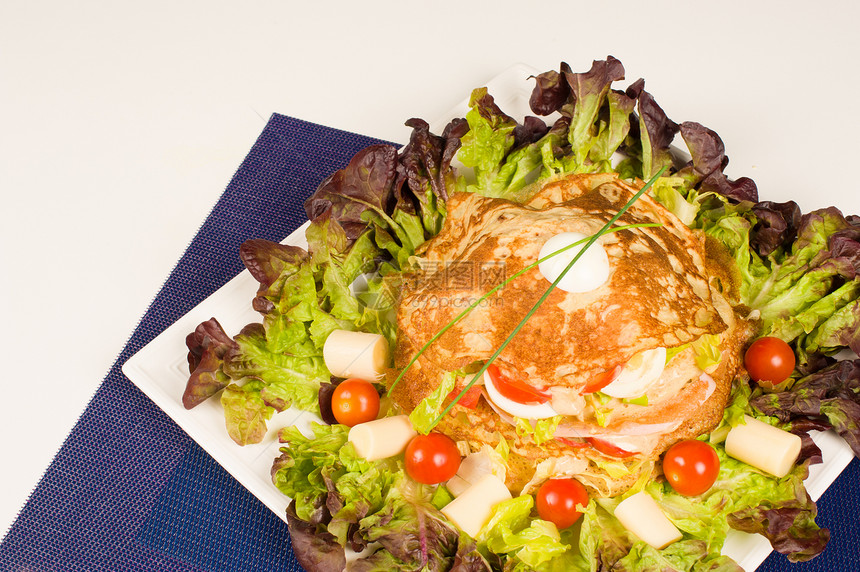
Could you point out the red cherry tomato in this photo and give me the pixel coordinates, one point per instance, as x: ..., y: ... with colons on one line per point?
x: 598, y: 382
x: 514, y: 389
x: 691, y: 467
x: 557, y: 500
x: 432, y: 459
x: 769, y: 359
x: 355, y: 401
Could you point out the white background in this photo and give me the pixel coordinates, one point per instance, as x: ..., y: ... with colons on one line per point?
x: 121, y: 123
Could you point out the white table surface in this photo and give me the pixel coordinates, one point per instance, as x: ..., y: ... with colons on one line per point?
x: 121, y: 124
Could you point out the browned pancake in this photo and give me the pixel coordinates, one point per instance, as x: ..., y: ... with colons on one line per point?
x: 661, y: 291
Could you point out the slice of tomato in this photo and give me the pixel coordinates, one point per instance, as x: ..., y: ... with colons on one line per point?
x: 600, y: 381
x: 573, y: 443
x: 514, y: 389
x: 470, y: 399
x: 608, y: 448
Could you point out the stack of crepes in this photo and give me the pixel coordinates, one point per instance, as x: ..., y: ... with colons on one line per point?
x: 668, y: 287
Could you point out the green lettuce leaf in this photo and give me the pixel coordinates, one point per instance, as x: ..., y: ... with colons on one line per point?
x: 589, y: 91
x: 529, y: 543
x: 208, y: 348
x: 656, y: 132
x: 313, y: 546
x: 707, y: 351
x: 689, y: 555
x: 540, y: 430
x: 504, y: 156
x: 671, y: 193
x: 285, y: 380
x: 366, y: 184
x: 603, y: 540
x: 804, y: 289
x: 612, y: 130
x: 424, y: 415
x: 345, y: 500
x: 245, y: 412
x: 411, y: 532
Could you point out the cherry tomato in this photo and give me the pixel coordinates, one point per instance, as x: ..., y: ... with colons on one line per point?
x: 769, y: 359
x: 598, y: 382
x: 432, y: 458
x: 691, y: 467
x: 557, y: 500
x: 355, y: 401
x: 514, y: 389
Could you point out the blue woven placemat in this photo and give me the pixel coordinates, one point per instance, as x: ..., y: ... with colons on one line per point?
x: 129, y: 491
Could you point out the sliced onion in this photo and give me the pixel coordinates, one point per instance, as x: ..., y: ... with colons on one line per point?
x: 712, y: 386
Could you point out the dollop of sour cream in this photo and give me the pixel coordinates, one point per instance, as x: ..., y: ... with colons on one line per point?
x: 590, y: 271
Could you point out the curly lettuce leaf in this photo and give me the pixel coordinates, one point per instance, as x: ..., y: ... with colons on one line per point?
x: 603, y: 540
x: 365, y: 184
x: 208, y: 347
x: 831, y: 317
x: 256, y: 379
x: 551, y: 90
x: 328, y: 480
x: 504, y: 156
x: 708, y: 160
x: 411, y: 533
x: 285, y: 379
x: 689, y: 555
x: 528, y: 543
x: 425, y: 166
x: 798, y: 273
x: 790, y: 528
x: 313, y: 546
x: 588, y: 92
x: 423, y: 417
x: 349, y: 501
x: 245, y: 412
x: 271, y: 264
x: 613, y: 127
x: 335, y: 266
x: 657, y: 132
x: 670, y: 192
x: 776, y: 227
x: 838, y: 330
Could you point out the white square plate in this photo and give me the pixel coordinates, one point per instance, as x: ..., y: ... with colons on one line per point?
x: 160, y: 370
